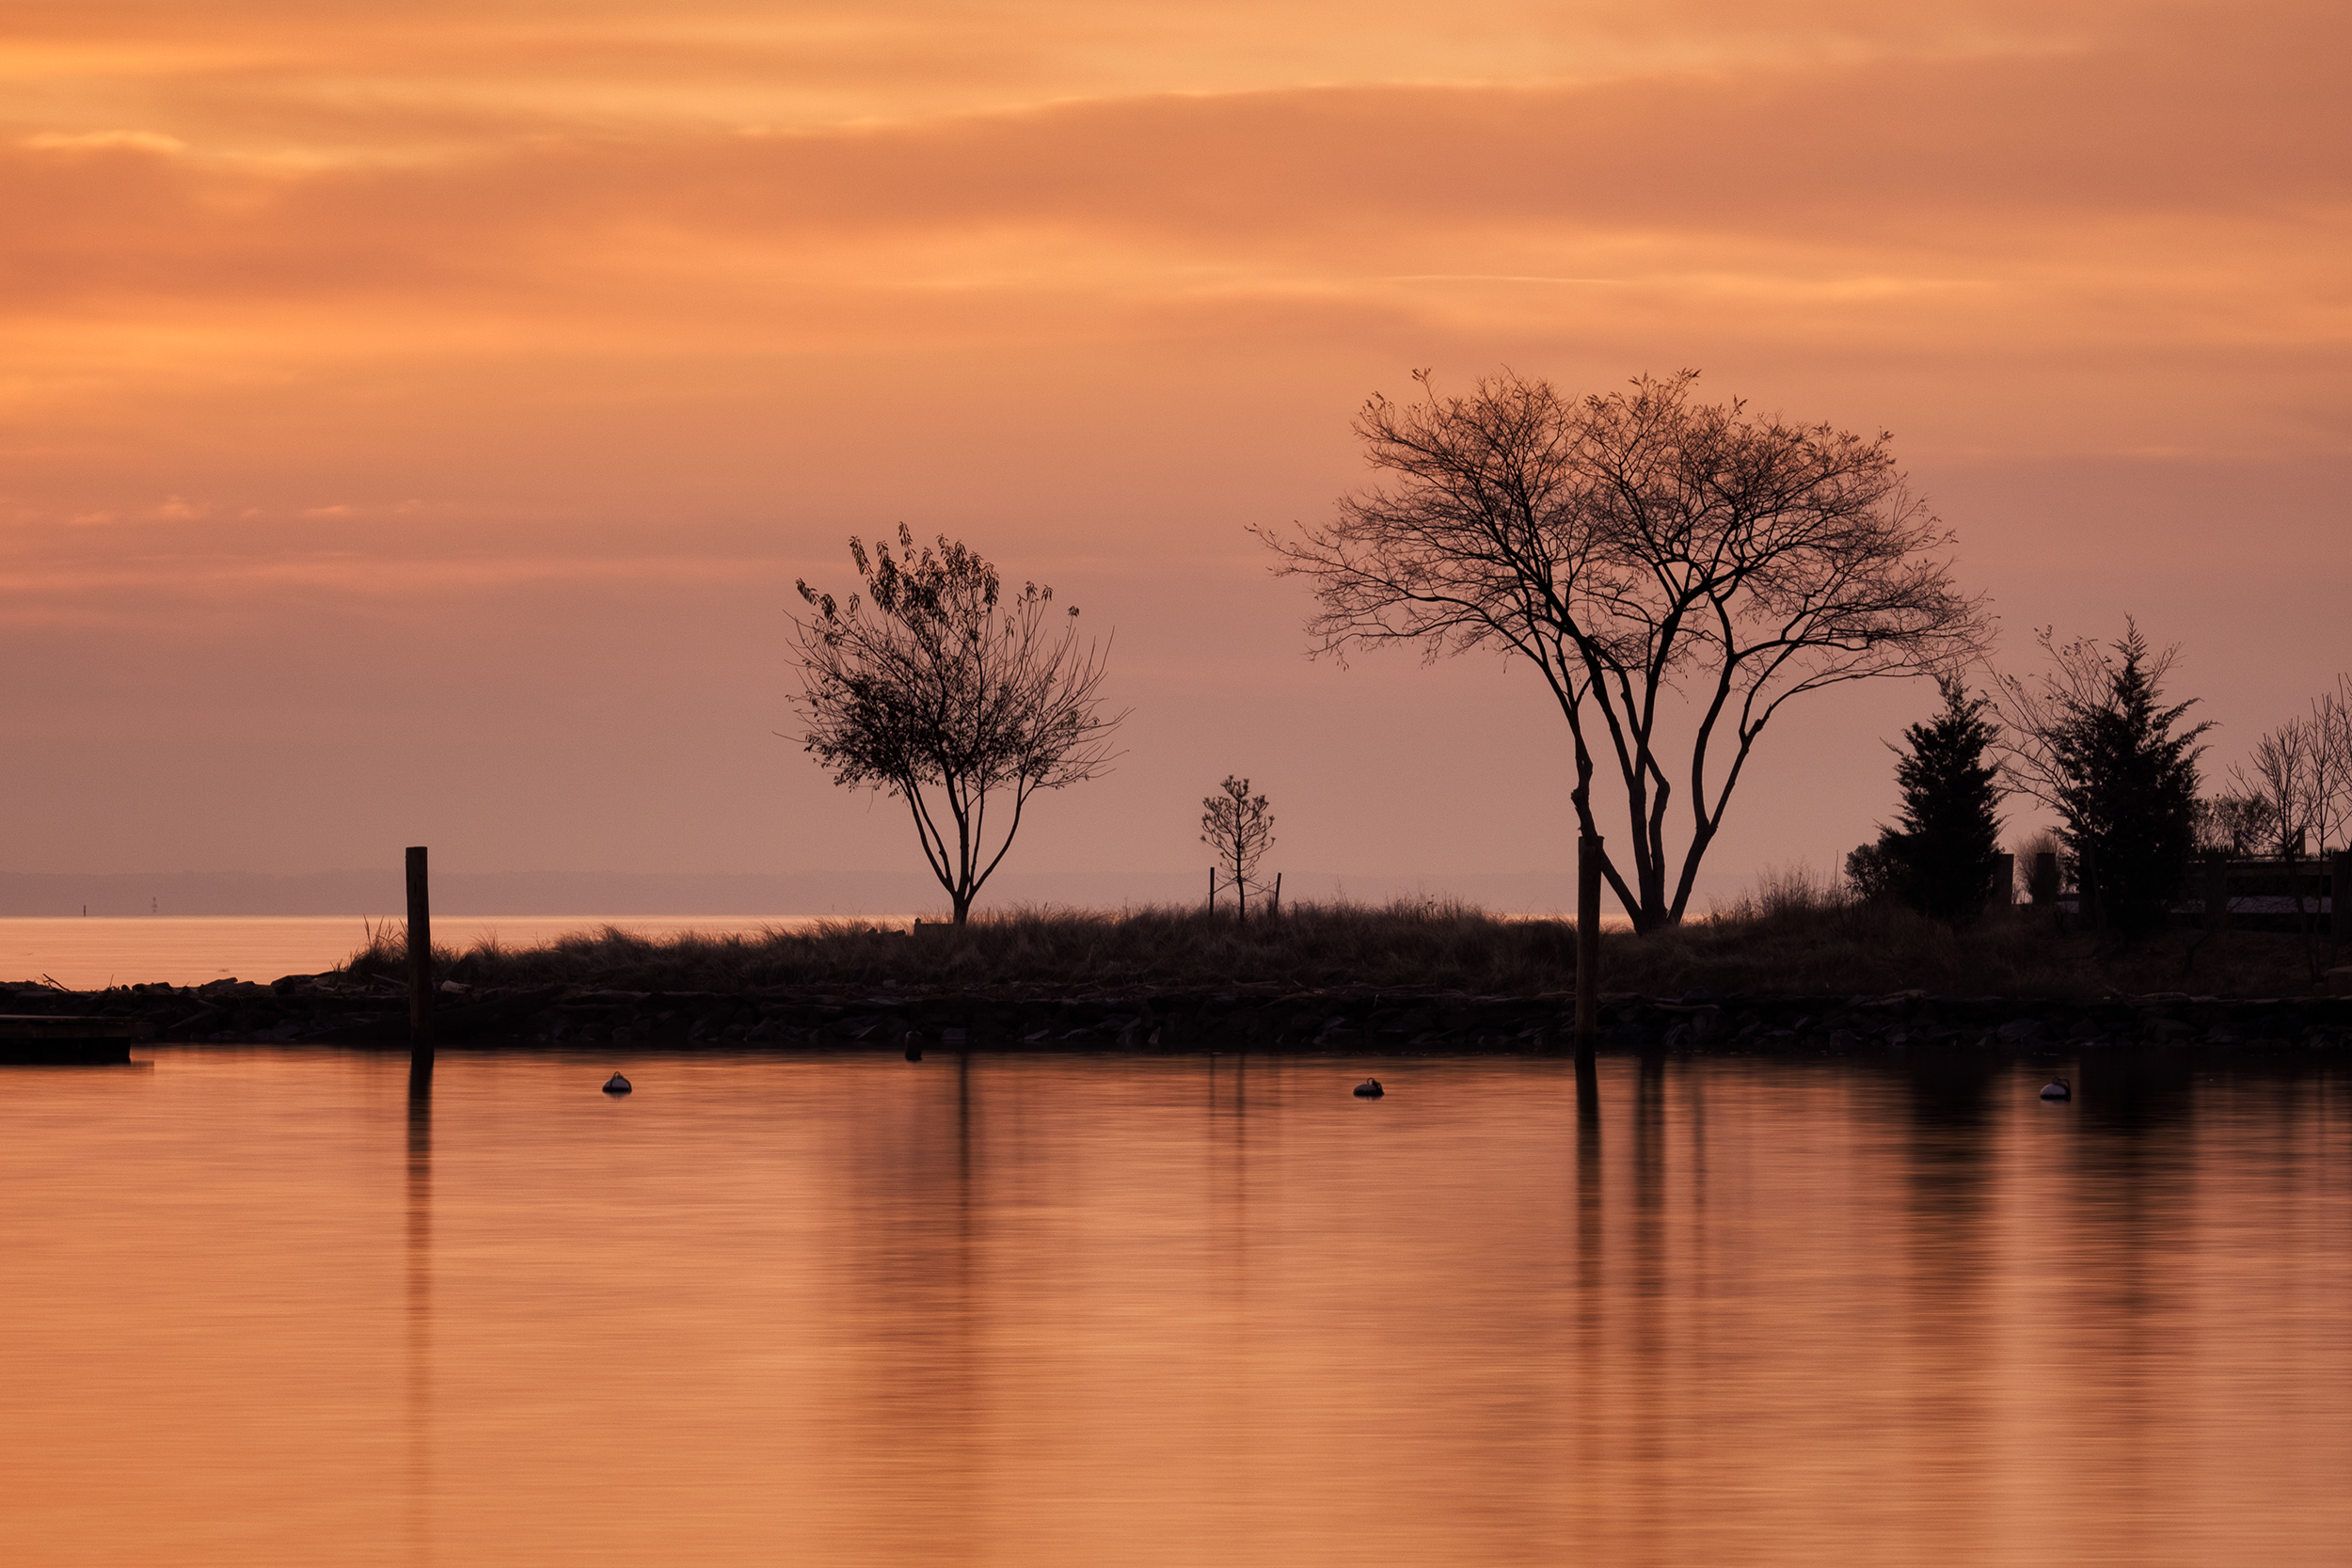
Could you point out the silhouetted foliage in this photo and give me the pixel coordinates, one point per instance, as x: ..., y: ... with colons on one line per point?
x: 2092, y: 740
x: 1656, y: 559
x: 1870, y: 872
x: 937, y: 689
x: 2294, y: 792
x: 2234, y: 825
x: 1238, y: 827
x: 2294, y: 799
x: 1944, y: 860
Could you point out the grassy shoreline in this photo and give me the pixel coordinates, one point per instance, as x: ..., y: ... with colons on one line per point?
x: 1783, y: 942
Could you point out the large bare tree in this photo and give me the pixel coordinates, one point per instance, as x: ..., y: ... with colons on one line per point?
x: 1676, y: 570
x: 941, y: 691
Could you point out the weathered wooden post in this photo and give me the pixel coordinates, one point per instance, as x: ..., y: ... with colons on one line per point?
x: 1587, y: 947
x: 2338, y: 883
x: 2216, y: 899
x: 1212, y: 890
x: 2008, y: 894
x: 419, y: 966
x: 1277, y: 906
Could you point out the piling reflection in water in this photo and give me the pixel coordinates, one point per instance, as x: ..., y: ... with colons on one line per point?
x: 417, y: 1318
x: 1072, y: 1311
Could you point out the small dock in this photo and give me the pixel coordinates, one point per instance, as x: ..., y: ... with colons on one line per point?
x: 36, y: 1040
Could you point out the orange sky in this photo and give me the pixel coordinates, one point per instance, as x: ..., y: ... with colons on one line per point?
x: 411, y: 423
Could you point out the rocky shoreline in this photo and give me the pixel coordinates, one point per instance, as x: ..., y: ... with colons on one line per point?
x: 1335, y: 1020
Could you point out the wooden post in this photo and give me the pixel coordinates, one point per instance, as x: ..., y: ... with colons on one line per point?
x: 1587, y: 945
x: 2007, y: 895
x: 419, y: 966
x: 2338, y: 883
x: 2216, y: 898
x: 1277, y: 907
x: 1212, y: 890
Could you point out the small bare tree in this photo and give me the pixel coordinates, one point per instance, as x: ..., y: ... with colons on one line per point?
x: 938, y: 689
x: 2297, y: 784
x: 1238, y: 827
x: 2234, y: 825
x: 1659, y: 561
x: 2301, y: 774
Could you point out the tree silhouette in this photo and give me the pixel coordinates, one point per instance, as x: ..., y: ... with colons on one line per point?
x: 1660, y: 561
x: 937, y: 689
x: 1238, y: 827
x: 2091, y: 740
x: 1944, y: 860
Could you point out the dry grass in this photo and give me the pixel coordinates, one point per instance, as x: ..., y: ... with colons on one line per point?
x: 1790, y: 934
x: 1427, y: 942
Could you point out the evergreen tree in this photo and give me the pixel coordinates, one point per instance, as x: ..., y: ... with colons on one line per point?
x: 1946, y: 859
x: 1870, y: 870
x: 2127, y: 790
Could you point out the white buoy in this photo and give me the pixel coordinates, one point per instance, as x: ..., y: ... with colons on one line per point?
x: 616, y: 1084
x: 2058, y: 1089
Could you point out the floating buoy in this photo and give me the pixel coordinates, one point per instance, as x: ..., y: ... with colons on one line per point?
x: 2058, y: 1089
x: 616, y: 1084
x: 1370, y: 1089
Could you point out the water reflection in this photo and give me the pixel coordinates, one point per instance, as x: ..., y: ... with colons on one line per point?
x: 1065, y: 1311
x: 418, y: 1318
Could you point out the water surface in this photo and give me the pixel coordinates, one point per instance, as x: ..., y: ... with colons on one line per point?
x: 264, y: 1308
x: 88, y: 954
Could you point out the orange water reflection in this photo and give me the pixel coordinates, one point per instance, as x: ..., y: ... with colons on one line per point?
x: 275, y: 1308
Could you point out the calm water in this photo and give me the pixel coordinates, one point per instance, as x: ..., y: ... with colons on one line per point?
x: 189, y: 950
x: 263, y: 1308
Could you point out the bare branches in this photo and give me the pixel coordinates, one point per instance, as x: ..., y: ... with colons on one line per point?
x: 1238, y: 828
x: 2296, y: 786
x: 937, y: 684
x: 1642, y: 551
x: 2035, y: 715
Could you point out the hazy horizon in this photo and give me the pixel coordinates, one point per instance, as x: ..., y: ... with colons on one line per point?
x: 719, y: 894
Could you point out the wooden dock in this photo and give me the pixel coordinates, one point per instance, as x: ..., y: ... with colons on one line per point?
x: 36, y: 1040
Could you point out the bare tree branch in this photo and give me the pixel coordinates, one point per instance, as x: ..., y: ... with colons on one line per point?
x: 1640, y: 550
x: 939, y: 689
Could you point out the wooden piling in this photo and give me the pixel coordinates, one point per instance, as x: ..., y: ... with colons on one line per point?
x: 1587, y: 945
x: 2339, y: 880
x: 420, y: 965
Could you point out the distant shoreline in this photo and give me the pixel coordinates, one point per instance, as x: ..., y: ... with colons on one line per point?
x: 1414, y: 978
x: 1340, y: 1021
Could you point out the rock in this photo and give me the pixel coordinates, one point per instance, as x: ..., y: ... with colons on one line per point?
x: 2020, y: 1031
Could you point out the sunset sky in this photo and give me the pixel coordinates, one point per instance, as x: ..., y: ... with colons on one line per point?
x: 413, y: 418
